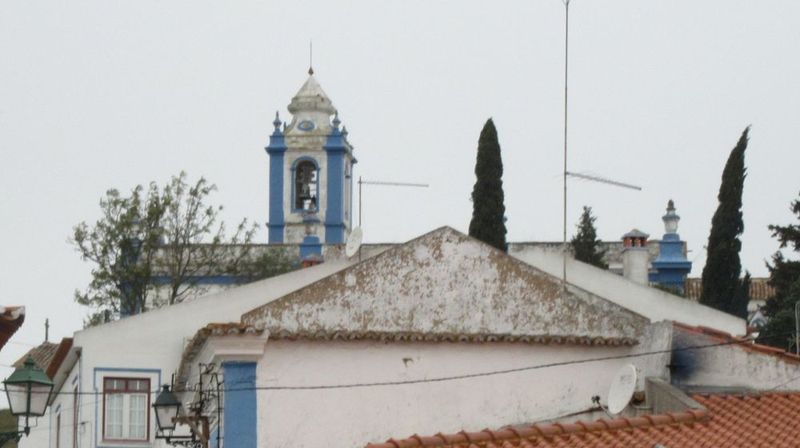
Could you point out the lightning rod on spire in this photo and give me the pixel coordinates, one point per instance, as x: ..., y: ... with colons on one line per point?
x: 310, y: 57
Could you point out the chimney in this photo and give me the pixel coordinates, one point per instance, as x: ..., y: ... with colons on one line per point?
x: 635, y: 257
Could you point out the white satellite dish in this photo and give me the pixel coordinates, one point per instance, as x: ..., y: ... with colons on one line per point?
x: 622, y: 388
x: 353, y: 242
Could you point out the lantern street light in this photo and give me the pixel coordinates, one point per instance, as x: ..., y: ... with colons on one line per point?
x: 169, y: 412
x: 28, y: 390
x: 167, y: 408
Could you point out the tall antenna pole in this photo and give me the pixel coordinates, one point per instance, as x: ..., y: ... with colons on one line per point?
x: 310, y: 57
x: 383, y: 183
x: 566, y: 66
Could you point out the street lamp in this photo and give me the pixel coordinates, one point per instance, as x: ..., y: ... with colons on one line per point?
x: 169, y: 416
x: 28, y: 390
x: 167, y: 408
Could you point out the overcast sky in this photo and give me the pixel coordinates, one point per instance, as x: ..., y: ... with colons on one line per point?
x: 97, y: 94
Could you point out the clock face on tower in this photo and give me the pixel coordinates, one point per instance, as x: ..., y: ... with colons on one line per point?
x: 306, y: 125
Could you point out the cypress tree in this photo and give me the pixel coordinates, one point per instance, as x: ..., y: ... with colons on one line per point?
x: 720, y: 282
x: 784, y: 276
x: 488, y: 211
x: 585, y: 245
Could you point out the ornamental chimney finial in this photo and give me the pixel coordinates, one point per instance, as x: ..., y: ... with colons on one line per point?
x: 277, y: 121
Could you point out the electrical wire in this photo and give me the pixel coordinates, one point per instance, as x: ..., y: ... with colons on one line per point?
x: 461, y: 376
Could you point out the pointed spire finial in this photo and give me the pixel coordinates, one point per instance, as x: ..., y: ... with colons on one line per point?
x: 344, y: 131
x: 336, y: 120
x: 277, y: 121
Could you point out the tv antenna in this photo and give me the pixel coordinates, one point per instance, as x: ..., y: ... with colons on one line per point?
x: 566, y: 173
x: 362, y: 182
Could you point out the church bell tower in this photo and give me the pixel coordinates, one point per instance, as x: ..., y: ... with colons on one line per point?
x: 310, y: 174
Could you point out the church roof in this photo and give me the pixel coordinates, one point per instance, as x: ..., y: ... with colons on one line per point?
x: 311, y: 97
x: 446, y: 286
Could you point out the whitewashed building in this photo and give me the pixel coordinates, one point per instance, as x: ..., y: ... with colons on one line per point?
x: 438, y: 334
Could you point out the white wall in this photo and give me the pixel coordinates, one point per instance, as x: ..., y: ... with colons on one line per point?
x: 732, y: 365
x: 152, y: 343
x: 350, y: 418
x: 652, y: 303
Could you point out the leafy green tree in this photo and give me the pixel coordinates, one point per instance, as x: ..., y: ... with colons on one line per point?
x: 585, y: 244
x: 488, y: 210
x: 784, y: 276
x: 720, y: 282
x: 153, y: 248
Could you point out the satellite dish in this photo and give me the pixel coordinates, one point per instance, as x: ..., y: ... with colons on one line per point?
x: 622, y: 388
x: 353, y: 242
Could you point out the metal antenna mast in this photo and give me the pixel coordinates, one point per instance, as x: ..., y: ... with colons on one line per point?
x: 384, y: 183
x: 566, y: 72
x: 566, y: 174
x: 310, y: 57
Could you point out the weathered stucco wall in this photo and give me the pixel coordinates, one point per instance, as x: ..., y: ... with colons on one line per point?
x: 652, y: 303
x: 352, y: 417
x: 447, y: 283
x: 724, y: 363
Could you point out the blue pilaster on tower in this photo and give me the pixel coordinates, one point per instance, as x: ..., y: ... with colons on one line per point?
x: 671, y: 266
x: 276, y: 149
x: 335, y: 147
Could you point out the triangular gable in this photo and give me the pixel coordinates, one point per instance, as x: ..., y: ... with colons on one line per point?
x: 446, y: 283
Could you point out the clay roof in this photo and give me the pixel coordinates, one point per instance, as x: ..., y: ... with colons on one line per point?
x: 399, y: 336
x: 759, y: 288
x: 635, y: 233
x: 446, y: 286
x: 195, y: 345
x: 728, y: 421
x: 11, y: 318
x: 48, y: 355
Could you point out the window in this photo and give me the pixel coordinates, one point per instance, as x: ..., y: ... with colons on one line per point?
x: 126, y: 405
x: 305, y: 186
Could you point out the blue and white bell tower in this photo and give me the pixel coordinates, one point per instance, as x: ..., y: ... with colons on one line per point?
x: 310, y: 174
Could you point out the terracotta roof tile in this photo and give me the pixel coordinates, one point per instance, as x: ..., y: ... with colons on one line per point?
x: 48, y: 355
x: 399, y: 336
x: 196, y: 344
x: 766, y: 420
x: 43, y: 354
x: 11, y: 318
x: 760, y: 288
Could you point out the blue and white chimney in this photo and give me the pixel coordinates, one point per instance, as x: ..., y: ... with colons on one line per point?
x: 671, y: 266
